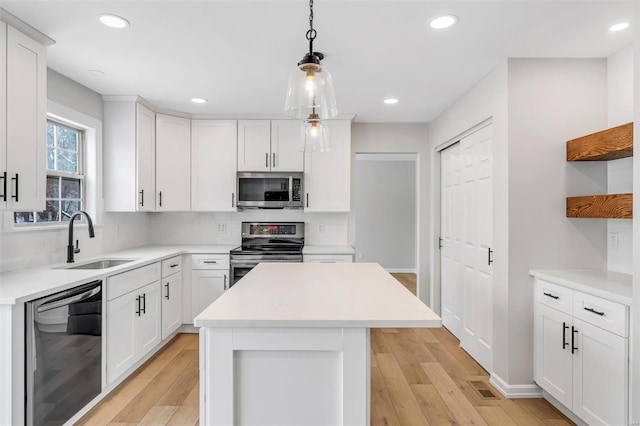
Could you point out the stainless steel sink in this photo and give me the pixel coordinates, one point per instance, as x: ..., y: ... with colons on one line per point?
x: 99, y: 264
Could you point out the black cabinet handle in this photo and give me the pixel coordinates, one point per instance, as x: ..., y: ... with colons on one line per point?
x: 307, y: 200
x: 4, y: 186
x: 138, y: 309
x: 225, y: 281
x: 160, y: 198
x: 142, y: 197
x: 233, y: 199
x: 266, y: 160
x: 573, y: 334
x: 209, y: 261
x: 17, y: 186
x: 273, y: 164
x: 440, y: 243
x: 173, y: 266
x: 489, y: 253
x: 144, y: 303
x: 551, y: 296
x: 564, y: 335
x: 167, y: 295
x: 593, y: 311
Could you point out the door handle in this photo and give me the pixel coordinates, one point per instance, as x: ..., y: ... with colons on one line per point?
x: 225, y: 281
x: 142, y: 198
x: 167, y: 295
x: 233, y: 199
x: 160, y: 200
x: 440, y: 243
x: 144, y: 303
x: 17, y: 186
x: 266, y: 160
x: 564, y: 335
x: 307, y: 200
x: 273, y: 163
x: 489, y: 253
x: 4, y: 186
x: 573, y: 333
x: 138, y: 309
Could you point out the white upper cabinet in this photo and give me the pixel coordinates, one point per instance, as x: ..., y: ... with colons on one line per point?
x: 213, y: 165
x: 265, y: 145
x: 129, y: 155
x: 23, y: 118
x: 328, y: 174
x: 285, y: 140
x: 173, y: 163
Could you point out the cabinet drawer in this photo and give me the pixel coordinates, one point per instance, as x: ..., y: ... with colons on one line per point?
x: 328, y: 258
x: 123, y: 283
x: 210, y: 261
x: 555, y: 296
x: 602, y: 313
x: 171, y: 266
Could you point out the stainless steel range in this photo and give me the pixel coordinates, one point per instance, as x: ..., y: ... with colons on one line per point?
x: 266, y: 242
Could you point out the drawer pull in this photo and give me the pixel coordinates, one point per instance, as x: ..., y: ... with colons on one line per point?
x: 174, y: 265
x: 593, y: 311
x: 551, y: 296
x: 209, y: 261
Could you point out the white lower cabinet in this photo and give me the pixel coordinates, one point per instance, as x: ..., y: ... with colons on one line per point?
x: 133, y: 328
x: 171, y: 296
x: 581, y: 353
x: 209, y: 279
x: 133, y: 317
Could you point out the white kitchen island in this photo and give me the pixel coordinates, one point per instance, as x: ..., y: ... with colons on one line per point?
x: 289, y: 343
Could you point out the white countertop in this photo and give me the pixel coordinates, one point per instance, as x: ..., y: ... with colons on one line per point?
x: 328, y: 250
x: 27, y: 284
x: 614, y: 286
x: 318, y: 295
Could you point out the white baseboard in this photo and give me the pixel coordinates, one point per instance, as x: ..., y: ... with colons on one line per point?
x: 515, y: 391
x: 188, y: 328
x: 564, y: 410
x: 400, y: 270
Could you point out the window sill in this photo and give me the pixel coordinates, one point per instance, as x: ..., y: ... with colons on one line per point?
x: 45, y: 228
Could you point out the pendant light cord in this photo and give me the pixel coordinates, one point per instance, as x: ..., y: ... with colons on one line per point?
x: 311, y: 33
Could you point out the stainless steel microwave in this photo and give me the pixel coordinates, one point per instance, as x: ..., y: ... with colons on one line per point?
x: 270, y: 190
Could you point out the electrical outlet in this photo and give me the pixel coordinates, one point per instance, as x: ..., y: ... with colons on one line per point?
x: 320, y: 227
x: 360, y: 255
x: 614, y: 241
x: 222, y: 228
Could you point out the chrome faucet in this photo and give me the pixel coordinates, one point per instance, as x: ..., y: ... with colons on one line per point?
x: 71, y: 250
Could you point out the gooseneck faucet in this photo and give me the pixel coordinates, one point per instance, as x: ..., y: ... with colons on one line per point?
x: 71, y: 250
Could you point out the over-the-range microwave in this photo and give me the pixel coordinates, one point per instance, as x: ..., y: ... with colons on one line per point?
x: 270, y: 190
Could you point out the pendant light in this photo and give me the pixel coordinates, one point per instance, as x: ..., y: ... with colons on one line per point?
x: 310, y: 96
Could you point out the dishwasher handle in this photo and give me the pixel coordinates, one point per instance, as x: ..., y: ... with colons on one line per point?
x: 71, y: 296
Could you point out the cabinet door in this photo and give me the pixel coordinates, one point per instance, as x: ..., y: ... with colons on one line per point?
x: 328, y: 174
x: 26, y: 112
x: 552, y: 354
x: 121, y: 343
x: 213, y: 165
x: 254, y: 146
x: 285, y: 140
x: 171, y: 304
x: 207, y: 286
x: 148, y: 324
x: 145, y: 159
x: 600, y: 372
x: 3, y: 116
x: 173, y: 163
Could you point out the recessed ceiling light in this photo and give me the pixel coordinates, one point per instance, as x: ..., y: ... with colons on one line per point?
x: 444, y: 21
x: 113, y: 21
x: 96, y: 73
x: 199, y: 100
x: 619, y: 26
x: 390, y: 101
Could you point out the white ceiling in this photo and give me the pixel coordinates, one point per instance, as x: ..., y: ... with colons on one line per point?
x: 238, y: 54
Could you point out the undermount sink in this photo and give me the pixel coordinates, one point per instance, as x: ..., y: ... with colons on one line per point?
x: 99, y: 264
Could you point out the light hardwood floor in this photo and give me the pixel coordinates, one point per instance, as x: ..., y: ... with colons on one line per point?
x: 418, y: 377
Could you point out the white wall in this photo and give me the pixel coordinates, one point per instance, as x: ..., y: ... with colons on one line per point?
x: 634, y: 357
x: 620, y: 172
x: 386, y: 210
x: 536, y: 105
x: 399, y: 138
x: 202, y: 228
x: 22, y: 248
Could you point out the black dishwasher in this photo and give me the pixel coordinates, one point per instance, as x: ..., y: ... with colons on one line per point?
x: 63, y: 343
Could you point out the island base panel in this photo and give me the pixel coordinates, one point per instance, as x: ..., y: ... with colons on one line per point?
x: 285, y: 376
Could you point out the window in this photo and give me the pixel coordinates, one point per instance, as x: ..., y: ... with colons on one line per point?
x: 65, y: 176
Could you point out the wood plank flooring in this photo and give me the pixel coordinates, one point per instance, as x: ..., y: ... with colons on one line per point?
x: 418, y: 377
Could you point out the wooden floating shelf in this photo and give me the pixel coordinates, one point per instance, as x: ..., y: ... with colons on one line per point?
x: 610, y: 144
x: 611, y: 206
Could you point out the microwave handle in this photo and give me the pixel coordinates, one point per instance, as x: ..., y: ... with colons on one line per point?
x: 290, y: 189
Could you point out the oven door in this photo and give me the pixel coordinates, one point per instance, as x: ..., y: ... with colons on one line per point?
x: 240, y: 267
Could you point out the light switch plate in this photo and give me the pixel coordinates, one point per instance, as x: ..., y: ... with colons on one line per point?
x: 614, y: 241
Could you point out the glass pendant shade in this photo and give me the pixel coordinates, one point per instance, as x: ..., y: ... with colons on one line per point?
x: 315, y: 136
x: 310, y: 91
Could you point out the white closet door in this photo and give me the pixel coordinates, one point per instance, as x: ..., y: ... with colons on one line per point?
x: 467, y: 240
x: 451, y: 265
